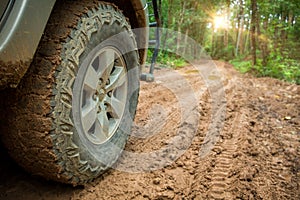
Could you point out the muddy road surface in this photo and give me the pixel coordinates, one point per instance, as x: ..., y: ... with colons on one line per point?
x: 199, y: 134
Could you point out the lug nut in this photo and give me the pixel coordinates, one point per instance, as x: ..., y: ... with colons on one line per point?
x: 95, y: 97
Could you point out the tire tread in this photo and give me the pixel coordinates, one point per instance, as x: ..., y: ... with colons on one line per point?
x: 41, y: 138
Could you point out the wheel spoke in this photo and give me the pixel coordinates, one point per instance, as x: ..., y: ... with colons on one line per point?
x: 104, y: 122
x: 89, y: 115
x: 99, y: 133
x: 115, y: 107
x: 117, y: 78
x: 106, y: 64
x: 91, y: 79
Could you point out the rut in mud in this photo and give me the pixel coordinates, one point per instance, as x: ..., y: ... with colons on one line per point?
x: 243, y: 146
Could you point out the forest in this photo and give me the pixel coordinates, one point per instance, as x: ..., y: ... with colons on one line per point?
x: 256, y: 36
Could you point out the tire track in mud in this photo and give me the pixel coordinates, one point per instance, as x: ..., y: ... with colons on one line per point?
x: 226, y: 140
x: 247, y: 163
x: 220, y: 176
x: 251, y: 157
x: 227, y: 147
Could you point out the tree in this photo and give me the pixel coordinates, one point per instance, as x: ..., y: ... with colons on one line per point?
x: 254, y: 23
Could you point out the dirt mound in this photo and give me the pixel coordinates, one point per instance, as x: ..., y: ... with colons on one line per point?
x: 246, y: 147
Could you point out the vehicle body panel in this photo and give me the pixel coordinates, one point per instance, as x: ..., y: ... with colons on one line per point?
x: 24, y: 26
x: 20, y: 36
x: 5, y: 6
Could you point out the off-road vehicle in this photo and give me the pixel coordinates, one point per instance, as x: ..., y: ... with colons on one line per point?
x: 71, y: 72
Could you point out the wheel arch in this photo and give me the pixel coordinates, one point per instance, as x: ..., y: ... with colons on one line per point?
x: 137, y: 13
x: 17, y: 46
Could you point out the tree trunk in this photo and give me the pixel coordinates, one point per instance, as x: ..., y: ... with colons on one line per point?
x: 185, y: 47
x: 264, y: 42
x: 247, y: 41
x: 180, y: 22
x: 239, y: 40
x: 253, y: 31
x: 170, y: 14
x: 213, y: 40
x: 258, y: 31
x: 284, y: 19
x: 241, y: 21
x: 226, y: 27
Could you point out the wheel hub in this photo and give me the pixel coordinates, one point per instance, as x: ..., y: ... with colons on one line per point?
x: 103, y: 95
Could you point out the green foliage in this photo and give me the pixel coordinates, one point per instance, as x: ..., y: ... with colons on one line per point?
x: 243, y: 66
x: 278, y: 67
x: 282, y: 68
x: 276, y: 34
x: 167, y: 60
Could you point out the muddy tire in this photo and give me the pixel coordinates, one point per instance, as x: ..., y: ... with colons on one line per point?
x: 74, y: 108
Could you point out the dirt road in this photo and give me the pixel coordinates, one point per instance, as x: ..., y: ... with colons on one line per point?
x: 240, y: 140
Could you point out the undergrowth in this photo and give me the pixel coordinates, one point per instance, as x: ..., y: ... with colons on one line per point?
x: 167, y: 60
x: 281, y: 68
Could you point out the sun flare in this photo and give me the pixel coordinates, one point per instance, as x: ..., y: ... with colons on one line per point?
x: 220, y: 22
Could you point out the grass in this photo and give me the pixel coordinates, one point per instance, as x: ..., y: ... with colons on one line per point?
x: 168, y: 60
x: 280, y: 68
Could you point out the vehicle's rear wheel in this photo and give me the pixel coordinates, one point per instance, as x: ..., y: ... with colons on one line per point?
x: 74, y: 108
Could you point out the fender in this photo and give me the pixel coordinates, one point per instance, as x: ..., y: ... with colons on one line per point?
x: 22, y: 25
